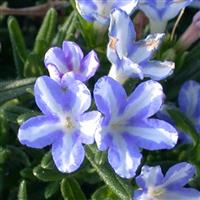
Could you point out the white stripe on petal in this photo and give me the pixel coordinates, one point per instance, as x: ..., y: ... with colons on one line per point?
x: 124, y: 157
x: 40, y: 131
x: 179, y: 174
x: 145, y: 100
x: 157, y: 70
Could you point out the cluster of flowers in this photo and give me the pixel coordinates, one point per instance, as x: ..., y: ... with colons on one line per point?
x: 123, y: 124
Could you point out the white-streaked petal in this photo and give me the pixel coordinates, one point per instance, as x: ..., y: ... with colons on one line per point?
x: 51, y: 98
x: 149, y: 177
x: 68, y: 152
x: 56, y: 57
x: 181, y: 194
x: 89, y: 124
x: 110, y: 96
x: 122, y: 30
x: 152, y: 134
x: 124, y: 157
x: 40, y: 131
x: 158, y: 70
x: 179, y: 175
x: 144, y: 101
x: 144, y: 49
x: 174, y: 8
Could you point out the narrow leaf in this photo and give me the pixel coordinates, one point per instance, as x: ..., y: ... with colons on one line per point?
x: 47, y: 174
x: 18, y: 45
x: 104, y: 193
x: 71, y: 190
x: 22, y: 192
x: 46, y: 33
x: 118, y: 185
x: 15, y: 88
x: 51, y: 189
x: 66, y: 31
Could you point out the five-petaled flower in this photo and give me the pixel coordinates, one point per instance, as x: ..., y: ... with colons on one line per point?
x: 154, y: 186
x: 70, y: 61
x: 130, y: 58
x: 127, y: 126
x: 99, y: 10
x: 160, y: 11
x: 64, y: 124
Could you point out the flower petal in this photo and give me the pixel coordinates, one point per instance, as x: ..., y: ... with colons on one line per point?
x: 189, y: 100
x: 121, y: 32
x: 73, y: 55
x: 89, y: 123
x: 158, y: 70
x: 179, y: 175
x: 149, y: 177
x: 96, y: 10
x: 144, y: 101
x: 124, y: 157
x: 174, y: 7
x: 152, y: 134
x: 144, y: 49
x: 56, y: 57
x: 110, y: 96
x: 82, y: 100
x: 181, y: 194
x: 40, y: 131
x: 68, y: 153
x: 89, y: 65
x: 51, y: 98
x: 130, y: 68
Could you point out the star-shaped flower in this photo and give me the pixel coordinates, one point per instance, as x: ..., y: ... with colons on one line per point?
x: 70, y: 60
x: 99, y: 10
x: 64, y: 125
x: 154, y: 186
x: 127, y: 126
x: 130, y: 58
x: 160, y: 11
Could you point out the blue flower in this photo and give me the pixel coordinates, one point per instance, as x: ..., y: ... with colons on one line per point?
x: 130, y: 58
x: 99, y: 10
x: 64, y: 125
x: 160, y: 11
x: 154, y: 186
x: 69, y: 61
x: 126, y: 124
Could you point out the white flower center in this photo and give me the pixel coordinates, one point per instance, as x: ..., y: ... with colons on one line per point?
x: 68, y: 123
x: 156, y: 192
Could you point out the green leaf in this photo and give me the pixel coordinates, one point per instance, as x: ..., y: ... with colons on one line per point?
x: 104, y: 193
x: 184, y: 124
x: 27, y: 173
x: 33, y: 66
x: 46, y: 33
x: 47, y: 174
x: 47, y: 161
x: 51, y: 189
x: 118, y: 185
x: 10, y: 110
x: 66, y: 31
x: 19, y: 155
x: 14, y: 88
x: 4, y: 154
x: 22, y: 192
x: 71, y: 190
x: 18, y: 45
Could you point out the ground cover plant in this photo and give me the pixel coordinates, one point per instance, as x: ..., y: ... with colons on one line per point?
x: 100, y: 100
